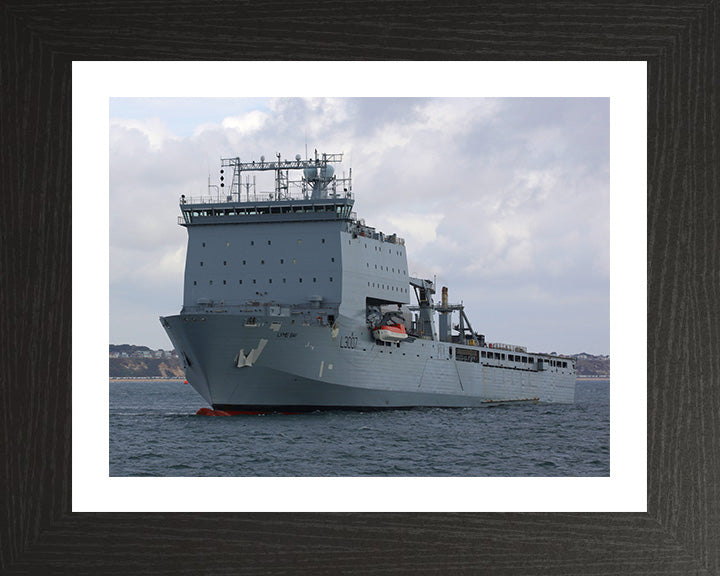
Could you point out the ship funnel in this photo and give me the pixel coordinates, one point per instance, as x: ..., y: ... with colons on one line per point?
x: 445, y: 319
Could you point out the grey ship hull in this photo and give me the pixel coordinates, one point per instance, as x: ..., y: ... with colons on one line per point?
x: 284, y: 364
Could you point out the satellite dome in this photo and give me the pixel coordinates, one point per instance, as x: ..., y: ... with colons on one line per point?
x: 297, y: 156
x: 327, y: 171
x: 262, y: 158
x: 310, y: 173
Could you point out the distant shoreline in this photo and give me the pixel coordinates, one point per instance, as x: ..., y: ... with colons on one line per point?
x: 146, y: 379
x: 179, y: 379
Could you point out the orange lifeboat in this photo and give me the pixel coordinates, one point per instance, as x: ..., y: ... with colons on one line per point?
x: 390, y: 333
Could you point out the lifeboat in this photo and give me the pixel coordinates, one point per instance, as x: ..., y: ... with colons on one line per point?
x: 390, y: 333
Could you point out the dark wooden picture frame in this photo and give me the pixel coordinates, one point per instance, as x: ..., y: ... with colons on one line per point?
x: 680, y: 533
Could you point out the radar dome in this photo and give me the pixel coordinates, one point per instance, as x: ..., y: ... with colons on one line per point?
x: 310, y: 173
x: 262, y: 158
x: 297, y: 156
x: 327, y: 171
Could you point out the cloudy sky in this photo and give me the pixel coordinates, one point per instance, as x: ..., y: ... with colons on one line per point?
x: 506, y: 201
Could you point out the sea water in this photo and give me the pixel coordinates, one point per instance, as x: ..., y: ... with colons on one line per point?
x: 154, y: 432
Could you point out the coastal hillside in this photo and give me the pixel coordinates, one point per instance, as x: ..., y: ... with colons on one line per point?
x: 129, y: 361
x: 145, y: 368
x: 590, y: 366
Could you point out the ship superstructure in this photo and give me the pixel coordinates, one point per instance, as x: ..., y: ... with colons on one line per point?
x: 293, y: 303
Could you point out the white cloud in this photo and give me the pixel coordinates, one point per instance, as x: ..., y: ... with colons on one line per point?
x: 153, y: 129
x: 247, y: 123
x: 417, y: 229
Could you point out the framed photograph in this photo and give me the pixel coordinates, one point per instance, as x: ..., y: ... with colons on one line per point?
x: 48, y: 526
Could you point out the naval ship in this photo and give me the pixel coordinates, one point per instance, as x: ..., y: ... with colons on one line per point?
x: 291, y: 303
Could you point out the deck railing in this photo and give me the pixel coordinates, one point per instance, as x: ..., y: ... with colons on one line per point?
x: 255, y: 197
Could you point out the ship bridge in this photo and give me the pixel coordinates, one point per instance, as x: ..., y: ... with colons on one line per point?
x: 212, y: 210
